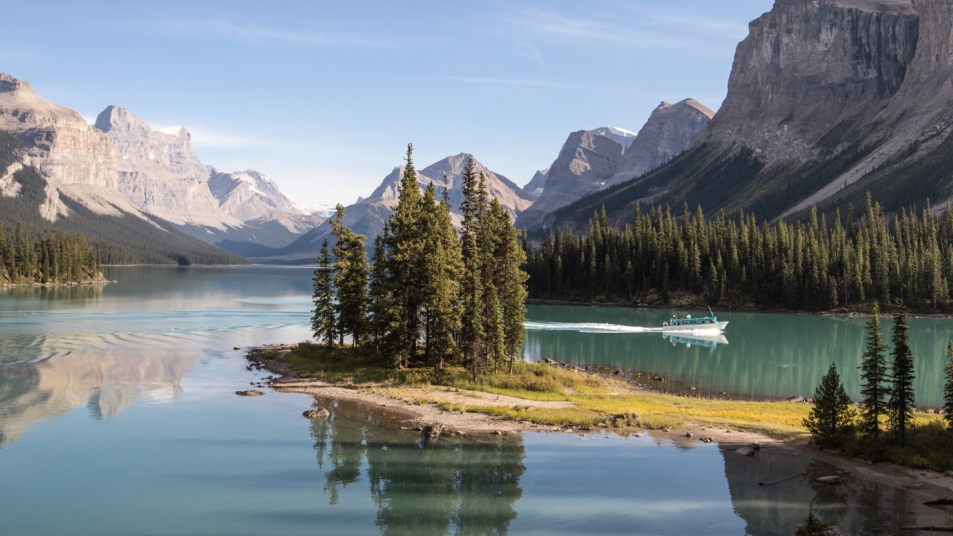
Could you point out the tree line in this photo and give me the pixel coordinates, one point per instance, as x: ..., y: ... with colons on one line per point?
x: 56, y: 258
x: 812, y: 265
x: 886, y: 412
x: 430, y: 293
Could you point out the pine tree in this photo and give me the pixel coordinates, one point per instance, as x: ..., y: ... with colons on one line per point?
x: 948, y: 388
x: 831, y: 414
x: 902, y: 396
x: 351, y: 279
x: 873, y: 375
x: 323, y: 322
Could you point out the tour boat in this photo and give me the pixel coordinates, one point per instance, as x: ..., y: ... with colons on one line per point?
x: 691, y: 325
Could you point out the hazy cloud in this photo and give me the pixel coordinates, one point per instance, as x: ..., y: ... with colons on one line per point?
x: 223, y: 30
x: 508, y: 82
x: 528, y: 51
x: 213, y: 139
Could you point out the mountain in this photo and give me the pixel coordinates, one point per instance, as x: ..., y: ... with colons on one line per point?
x: 536, y: 185
x: 161, y: 175
x: 593, y: 160
x: 618, y: 135
x: 59, y: 173
x: 367, y: 217
x: 827, y: 100
x: 663, y: 137
x: 585, y: 164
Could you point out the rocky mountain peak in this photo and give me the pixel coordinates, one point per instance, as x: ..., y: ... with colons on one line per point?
x: 118, y: 119
x: 10, y: 84
x: 616, y: 134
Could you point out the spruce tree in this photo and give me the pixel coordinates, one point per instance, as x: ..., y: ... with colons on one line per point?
x: 376, y: 292
x: 831, y: 414
x: 406, y: 265
x: 351, y: 279
x: 323, y: 322
x: 510, y: 281
x: 441, y: 288
x: 948, y: 388
x: 902, y: 396
x: 873, y: 376
x: 472, y: 330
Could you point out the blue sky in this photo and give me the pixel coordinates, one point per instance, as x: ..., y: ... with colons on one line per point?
x: 325, y: 96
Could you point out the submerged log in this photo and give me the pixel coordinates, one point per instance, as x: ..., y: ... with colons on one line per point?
x: 942, y: 501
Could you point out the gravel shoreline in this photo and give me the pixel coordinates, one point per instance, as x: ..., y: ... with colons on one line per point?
x: 417, y: 409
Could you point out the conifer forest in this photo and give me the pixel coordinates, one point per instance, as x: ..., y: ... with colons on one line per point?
x: 430, y: 294
x: 815, y: 265
x: 55, y: 258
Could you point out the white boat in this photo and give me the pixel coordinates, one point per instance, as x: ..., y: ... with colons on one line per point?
x: 698, y: 325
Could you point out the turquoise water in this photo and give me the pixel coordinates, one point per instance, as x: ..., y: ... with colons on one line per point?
x: 761, y: 355
x: 118, y: 416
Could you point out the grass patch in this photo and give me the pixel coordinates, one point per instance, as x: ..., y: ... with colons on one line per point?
x: 929, y: 445
x: 594, y: 399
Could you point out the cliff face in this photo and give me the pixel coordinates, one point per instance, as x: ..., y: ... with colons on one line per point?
x: 665, y: 135
x: 58, y: 140
x: 159, y: 172
x: 585, y: 164
x: 809, y: 67
x: 827, y: 100
x: 591, y: 161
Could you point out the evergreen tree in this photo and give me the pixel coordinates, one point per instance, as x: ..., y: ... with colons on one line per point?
x: 902, y: 396
x: 323, y: 321
x: 442, y: 290
x: 381, y: 306
x: 948, y: 388
x: 831, y: 414
x: 472, y: 330
x: 406, y: 267
x: 510, y: 282
x: 351, y: 279
x: 873, y: 375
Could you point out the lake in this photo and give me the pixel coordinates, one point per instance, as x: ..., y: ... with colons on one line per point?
x: 118, y: 416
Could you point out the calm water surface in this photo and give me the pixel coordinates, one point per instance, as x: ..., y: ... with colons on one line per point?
x: 118, y: 416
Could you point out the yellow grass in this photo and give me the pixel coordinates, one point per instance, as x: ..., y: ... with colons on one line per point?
x: 595, y: 399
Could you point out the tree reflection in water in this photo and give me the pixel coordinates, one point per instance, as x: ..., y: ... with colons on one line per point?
x: 452, y: 485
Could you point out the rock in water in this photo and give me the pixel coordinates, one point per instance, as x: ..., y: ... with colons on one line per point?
x: 317, y: 414
x: 829, y: 480
x: 432, y: 431
x: 745, y: 451
x: 250, y: 392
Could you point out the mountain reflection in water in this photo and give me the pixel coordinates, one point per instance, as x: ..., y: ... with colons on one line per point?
x: 451, y: 485
x: 107, y: 380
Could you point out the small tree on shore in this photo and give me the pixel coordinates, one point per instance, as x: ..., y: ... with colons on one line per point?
x: 831, y: 415
x: 873, y: 375
x: 902, y: 396
x: 323, y: 322
x: 948, y: 388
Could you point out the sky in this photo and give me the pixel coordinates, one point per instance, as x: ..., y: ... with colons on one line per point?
x: 325, y: 96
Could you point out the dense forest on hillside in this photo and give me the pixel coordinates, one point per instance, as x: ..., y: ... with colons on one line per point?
x: 122, y: 239
x: 812, y: 265
x: 57, y: 258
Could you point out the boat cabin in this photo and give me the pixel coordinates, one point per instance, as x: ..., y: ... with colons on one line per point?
x: 689, y: 321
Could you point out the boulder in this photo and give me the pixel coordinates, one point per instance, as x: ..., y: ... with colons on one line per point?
x: 317, y: 414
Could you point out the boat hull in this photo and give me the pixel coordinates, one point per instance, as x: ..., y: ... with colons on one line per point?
x: 716, y: 327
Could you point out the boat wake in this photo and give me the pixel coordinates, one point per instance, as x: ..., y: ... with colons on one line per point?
x: 588, y: 327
